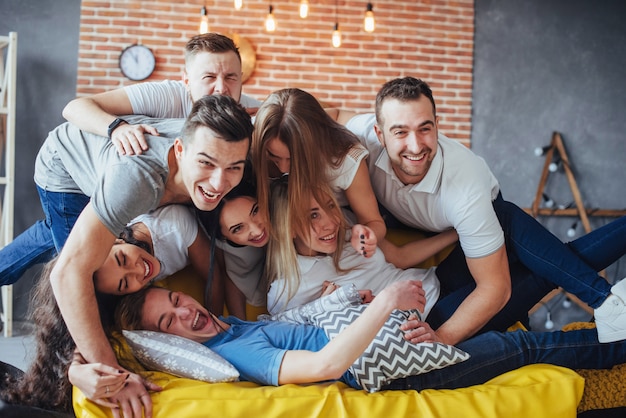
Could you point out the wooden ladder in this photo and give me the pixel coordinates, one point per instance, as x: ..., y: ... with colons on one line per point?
x: 579, y: 210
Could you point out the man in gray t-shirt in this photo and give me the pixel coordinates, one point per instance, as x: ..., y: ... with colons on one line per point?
x: 75, y: 170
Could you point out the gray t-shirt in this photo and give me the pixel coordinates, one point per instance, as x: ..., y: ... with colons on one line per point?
x: 120, y: 187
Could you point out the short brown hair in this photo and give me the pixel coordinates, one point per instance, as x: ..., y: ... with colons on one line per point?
x: 210, y: 42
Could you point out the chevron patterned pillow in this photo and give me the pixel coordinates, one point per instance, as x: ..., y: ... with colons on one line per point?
x: 389, y: 356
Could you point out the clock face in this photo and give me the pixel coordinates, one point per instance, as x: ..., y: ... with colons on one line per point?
x: 137, y: 62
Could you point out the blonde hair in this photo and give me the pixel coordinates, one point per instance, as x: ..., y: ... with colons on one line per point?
x: 281, y: 262
x: 316, y: 142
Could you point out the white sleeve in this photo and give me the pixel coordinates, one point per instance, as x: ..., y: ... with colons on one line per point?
x: 159, y: 99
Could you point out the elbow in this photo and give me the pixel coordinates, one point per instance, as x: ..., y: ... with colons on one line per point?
x: 70, y: 109
x: 67, y: 110
x: 329, y: 370
x: 505, y: 294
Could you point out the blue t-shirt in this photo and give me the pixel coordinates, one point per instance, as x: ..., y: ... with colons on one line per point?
x: 256, y: 349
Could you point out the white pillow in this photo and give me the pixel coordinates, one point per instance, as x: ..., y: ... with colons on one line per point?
x: 389, y: 356
x: 179, y: 356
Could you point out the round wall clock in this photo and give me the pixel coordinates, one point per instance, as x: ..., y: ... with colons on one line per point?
x: 137, y: 62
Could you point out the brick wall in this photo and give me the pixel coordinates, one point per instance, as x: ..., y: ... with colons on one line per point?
x: 430, y: 39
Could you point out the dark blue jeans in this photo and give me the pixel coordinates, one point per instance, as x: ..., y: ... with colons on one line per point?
x: 539, y: 262
x: 494, y: 353
x: 43, y: 240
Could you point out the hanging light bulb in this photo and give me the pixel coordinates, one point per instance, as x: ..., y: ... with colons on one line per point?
x: 270, y: 22
x: 204, y: 21
x: 549, y: 322
x: 336, y: 36
x: 238, y: 4
x: 304, y: 8
x: 571, y: 232
x: 369, y: 24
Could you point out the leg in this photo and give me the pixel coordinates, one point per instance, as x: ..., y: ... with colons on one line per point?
x: 527, y: 290
x: 31, y: 247
x: 603, y: 246
x: 494, y: 353
x: 545, y: 255
x: 62, y: 210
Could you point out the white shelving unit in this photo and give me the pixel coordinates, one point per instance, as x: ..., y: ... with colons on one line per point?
x: 8, y: 78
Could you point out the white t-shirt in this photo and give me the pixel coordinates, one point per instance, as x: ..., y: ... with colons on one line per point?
x: 457, y: 192
x: 341, y: 177
x: 174, y: 229
x: 168, y: 99
x: 373, y: 273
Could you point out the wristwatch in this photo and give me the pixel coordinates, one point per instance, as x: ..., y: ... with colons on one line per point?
x: 117, y: 122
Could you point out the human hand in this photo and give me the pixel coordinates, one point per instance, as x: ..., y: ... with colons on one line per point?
x: 252, y: 110
x: 328, y: 288
x: 97, y: 381
x: 405, y: 295
x: 130, y: 139
x: 417, y: 331
x: 366, y: 296
x: 133, y: 398
x: 363, y: 240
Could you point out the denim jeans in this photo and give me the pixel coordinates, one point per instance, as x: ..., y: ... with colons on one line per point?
x: 539, y: 262
x: 494, y: 353
x: 44, y: 239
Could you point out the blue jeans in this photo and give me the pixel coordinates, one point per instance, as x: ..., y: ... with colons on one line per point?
x: 494, y: 353
x: 539, y: 262
x: 43, y: 240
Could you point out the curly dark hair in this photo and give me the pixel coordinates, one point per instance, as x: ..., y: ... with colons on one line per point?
x: 45, y: 383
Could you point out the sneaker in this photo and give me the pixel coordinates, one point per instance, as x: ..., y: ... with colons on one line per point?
x: 611, y: 315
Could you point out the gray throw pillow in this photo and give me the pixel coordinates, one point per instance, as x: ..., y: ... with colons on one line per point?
x: 179, y: 356
x: 389, y: 356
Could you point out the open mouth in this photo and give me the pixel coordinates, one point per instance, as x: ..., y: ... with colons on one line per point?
x: 415, y: 158
x: 212, y: 197
x: 260, y: 238
x: 329, y: 238
x: 147, y: 270
x: 199, y: 322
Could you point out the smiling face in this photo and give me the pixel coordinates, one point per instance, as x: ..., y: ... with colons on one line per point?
x: 209, y: 167
x: 324, y: 228
x: 279, y: 156
x: 409, y: 133
x: 127, y: 269
x: 241, y: 222
x: 210, y: 73
x: 179, y: 314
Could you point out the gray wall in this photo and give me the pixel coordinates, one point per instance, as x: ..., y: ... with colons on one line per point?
x: 544, y: 66
x: 47, y: 51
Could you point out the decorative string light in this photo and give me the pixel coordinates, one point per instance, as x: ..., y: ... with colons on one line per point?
x: 204, y: 21
x: 369, y: 24
x: 238, y: 4
x: 541, y: 151
x: 336, y: 38
x: 270, y: 22
x: 571, y: 232
x: 304, y: 8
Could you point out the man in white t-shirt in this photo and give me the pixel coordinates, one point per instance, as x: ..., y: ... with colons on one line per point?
x: 212, y: 66
x: 432, y: 183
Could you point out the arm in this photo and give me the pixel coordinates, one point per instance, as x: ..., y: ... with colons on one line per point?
x: 201, y: 261
x: 235, y: 299
x: 415, y: 252
x: 337, y: 356
x: 492, y: 292
x: 95, y: 113
x: 363, y: 202
x: 72, y: 282
x: 341, y: 116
